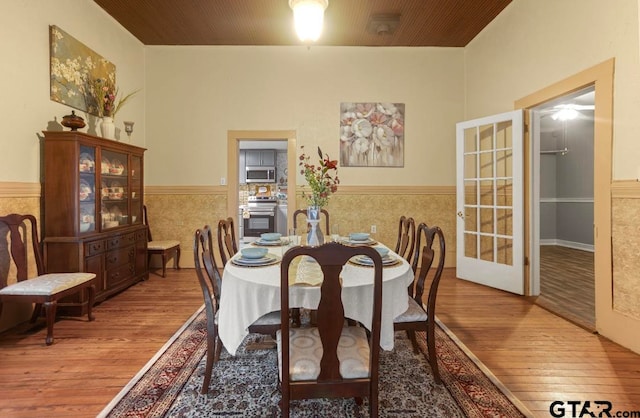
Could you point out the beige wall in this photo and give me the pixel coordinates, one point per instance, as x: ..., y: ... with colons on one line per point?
x: 300, y: 89
x: 536, y: 43
x: 25, y: 108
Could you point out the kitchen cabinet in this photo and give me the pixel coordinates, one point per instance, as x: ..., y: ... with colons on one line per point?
x: 92, y: 218
x: 260, y: 158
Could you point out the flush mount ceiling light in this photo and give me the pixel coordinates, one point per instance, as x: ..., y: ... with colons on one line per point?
x: 568, y: 111
x: 308, y: 16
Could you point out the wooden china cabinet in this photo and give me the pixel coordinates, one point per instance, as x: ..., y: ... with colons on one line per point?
x: 93, y: 197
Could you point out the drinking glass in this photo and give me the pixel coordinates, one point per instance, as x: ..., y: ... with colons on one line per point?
x: 294, y: 239
x: 335, y: 233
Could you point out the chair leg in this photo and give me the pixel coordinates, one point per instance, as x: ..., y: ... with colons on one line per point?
x: 164, y: 264
x: 412, y: 336
x: 176, y: 261
x: 92, y: 296
x: 37, y: 310
x: 431, y: 348
x: 50, y: 313
x: 208, y: 368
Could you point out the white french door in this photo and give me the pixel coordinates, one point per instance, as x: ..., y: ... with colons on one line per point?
x: 489, y: 195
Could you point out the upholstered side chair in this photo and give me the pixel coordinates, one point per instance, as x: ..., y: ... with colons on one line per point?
x: 45, y: 290
x: 165, y: 249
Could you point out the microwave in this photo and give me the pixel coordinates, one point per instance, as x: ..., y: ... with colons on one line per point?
x: 261, y: 174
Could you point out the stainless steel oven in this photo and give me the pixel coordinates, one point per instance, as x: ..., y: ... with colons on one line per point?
x: 262, y: 216
x: 261, y: 174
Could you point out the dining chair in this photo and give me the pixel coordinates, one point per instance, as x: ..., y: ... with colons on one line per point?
x: 330, y: 360
x: 211, y: 284
x: 227, y: 244
x: 324, y: 212
x: 165, y: 249
x: 419, y: 317
x: 44, y: 290
x: 405, y: 244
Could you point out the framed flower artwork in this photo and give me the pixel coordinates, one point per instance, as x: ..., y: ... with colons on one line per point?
x: 74, y: 67
x: 372, y: 134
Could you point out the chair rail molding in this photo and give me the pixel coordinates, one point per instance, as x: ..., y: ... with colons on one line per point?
x: 19, y: 189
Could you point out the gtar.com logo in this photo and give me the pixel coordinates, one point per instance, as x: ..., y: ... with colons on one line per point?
x: 578, y: 409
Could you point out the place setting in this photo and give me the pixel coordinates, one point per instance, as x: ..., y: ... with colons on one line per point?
x: 269, y: 239
x: 358, y: 238
x: 255, y: 257
x: 388, y: 260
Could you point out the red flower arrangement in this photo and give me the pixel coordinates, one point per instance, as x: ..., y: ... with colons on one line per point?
x: 322, y: 178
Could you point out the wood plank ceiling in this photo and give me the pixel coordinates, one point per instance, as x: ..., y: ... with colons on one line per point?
x: 443, y: 23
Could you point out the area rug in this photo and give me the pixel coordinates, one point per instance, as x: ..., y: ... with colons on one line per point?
x: 246, y: 385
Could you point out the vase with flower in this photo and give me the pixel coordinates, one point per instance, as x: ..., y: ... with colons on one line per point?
x: 323, y: 181
x: 107, y: 103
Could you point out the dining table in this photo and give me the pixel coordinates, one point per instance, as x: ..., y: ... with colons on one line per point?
x: 251, y: 291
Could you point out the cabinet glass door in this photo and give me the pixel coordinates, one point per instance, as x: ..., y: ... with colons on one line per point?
x: 87, y: 189
x: 114, y: 175
x: 136, y: 189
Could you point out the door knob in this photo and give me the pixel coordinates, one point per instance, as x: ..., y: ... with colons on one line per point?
x: 460, y: 214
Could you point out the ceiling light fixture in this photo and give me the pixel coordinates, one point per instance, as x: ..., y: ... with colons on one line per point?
x: 308, y: 16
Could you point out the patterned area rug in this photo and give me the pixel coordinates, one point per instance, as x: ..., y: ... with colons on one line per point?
x: 246, y: 385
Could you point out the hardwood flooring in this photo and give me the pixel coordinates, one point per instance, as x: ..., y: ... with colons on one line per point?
x: 567, y: 284
x: 537, y: 355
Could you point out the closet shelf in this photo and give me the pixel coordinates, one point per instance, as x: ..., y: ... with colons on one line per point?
x: 556, y: 151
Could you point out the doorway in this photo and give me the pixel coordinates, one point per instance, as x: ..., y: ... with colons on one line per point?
x: 607, y: 321
x: 255, y: 139
x: 562, y: 140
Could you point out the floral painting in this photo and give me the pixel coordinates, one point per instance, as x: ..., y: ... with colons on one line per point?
x: 372, y: 134
x: 74, y: 71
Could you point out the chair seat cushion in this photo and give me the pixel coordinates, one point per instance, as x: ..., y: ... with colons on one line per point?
x: 414, y: 313
x: 47, y: 284
x: 162, y: 245
x: 272, y: 318
x: 305, y: 353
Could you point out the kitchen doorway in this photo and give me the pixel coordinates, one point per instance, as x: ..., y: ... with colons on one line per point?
x: 237, y: 140
x: 563, y: 164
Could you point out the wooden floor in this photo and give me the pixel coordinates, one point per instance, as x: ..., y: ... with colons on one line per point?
x: 567, y: 284
x: 537, y: 355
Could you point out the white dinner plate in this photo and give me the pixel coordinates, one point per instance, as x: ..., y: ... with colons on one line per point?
x: 261, y: 242
x: 363, y: 260
x: 267, y: 260
x: 367, y: 241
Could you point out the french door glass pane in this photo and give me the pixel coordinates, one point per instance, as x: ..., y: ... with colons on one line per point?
x: 470, y: 246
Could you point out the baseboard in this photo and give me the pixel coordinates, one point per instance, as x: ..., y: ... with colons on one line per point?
x: 568, y: 244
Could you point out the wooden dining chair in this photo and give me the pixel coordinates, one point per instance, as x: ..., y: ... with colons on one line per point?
x: 324, y: 212
x: 165, y: 249
x: 419, y: 317
x: 44, y: 290
x: 330, y: 360
x: 227, y: 244
x: 406, y: 238
x: 211, y: 285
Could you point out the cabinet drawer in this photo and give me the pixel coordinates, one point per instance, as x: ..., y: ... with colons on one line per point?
x: 120, y: 240
x: 120, y: 256
x: 120, y: 274
x: 93, y: 248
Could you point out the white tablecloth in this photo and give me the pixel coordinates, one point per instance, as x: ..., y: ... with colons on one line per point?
x: 250, y: 292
